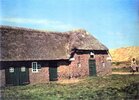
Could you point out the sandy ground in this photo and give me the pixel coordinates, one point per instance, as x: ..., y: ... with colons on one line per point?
x: 124, y: 73
x: 69, y: 81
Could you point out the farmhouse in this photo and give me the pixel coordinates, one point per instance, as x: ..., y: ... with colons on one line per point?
x: 29, y: 56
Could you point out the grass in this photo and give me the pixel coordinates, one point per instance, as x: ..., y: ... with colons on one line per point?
x: 114, y: 87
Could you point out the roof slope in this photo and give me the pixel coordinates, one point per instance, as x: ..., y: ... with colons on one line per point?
x: 28, y: 44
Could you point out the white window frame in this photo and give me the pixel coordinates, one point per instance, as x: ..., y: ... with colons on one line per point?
x: 92, y: 54
x: 11, y: 69
x: 35, y: 64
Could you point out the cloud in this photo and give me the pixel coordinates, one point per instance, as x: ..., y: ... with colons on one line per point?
x: 53, y: 25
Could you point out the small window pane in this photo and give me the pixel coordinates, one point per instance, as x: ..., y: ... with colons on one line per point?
x: 11, y: 70
x: 34, y: 67
x: 23, y: 69
x: 34, y: 64
x: 91, y: 56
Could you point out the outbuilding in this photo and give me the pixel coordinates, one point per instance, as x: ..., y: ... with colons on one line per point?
x: 29, y: 56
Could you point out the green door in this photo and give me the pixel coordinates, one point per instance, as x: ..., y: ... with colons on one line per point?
x: 17, y: 76
x: 53, y: 72
x: 92, y: 67
x: 24, y: 75
x: 12, y: 76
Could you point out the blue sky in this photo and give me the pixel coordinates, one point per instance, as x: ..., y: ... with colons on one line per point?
x: 114, y: 22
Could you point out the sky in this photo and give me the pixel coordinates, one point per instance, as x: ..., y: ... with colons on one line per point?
x: 115, y: 23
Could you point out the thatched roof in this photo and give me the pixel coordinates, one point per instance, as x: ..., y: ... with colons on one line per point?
x: 28, y: 44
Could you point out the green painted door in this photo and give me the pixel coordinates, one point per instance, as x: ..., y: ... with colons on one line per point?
x: 24, y: 75
x: 11, y: 76
x: 92, y: 68
x: 53, y: 72
x: 17, y: 76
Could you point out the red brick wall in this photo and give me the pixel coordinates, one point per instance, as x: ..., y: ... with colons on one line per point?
x: 103, y: 66
x: 2, y: 78
x: 74, y: 70
x: 42, y: 76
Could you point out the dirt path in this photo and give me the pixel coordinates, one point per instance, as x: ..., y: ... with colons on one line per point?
x: 69, y: 81
x: 124, y: 73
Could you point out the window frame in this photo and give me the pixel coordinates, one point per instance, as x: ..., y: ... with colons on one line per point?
x: 23, y: 69
x: 34, y: 70
x: 92, y: 55
x: 11, y: 70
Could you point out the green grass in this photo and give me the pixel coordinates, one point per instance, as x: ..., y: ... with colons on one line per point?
x: 114, y: 87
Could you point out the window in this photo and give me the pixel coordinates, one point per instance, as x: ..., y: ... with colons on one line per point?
x: 11, y: 69
x: 23, y: 69
x: 34, y: 67
x: 92, y: 55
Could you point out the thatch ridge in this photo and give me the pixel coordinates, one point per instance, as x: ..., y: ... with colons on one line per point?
x: 27, y: 29
x: 29, y: 44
